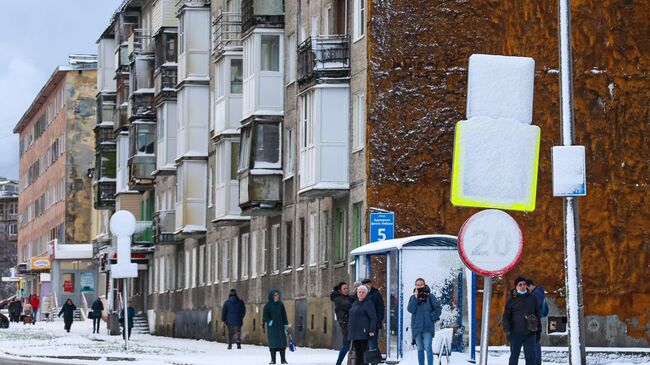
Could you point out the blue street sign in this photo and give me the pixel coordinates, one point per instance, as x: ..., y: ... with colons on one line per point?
x: 382, y: 226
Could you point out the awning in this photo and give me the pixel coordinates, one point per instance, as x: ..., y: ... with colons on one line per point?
x: 430, y: 240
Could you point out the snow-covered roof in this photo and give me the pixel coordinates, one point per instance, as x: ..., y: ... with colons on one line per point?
x: 427, y: 240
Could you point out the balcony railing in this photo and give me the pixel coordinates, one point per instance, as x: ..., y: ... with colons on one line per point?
x: 163, y: 228
x: 323, y: 57
x: 165, y: 79
x: 226, y: 32
x: 105, y: 195
x: 104, y: 138
x: 140, y: 169
x: 139, y: 41
x: 143, y: 233
x: 141, y: 105
x: 262, y: 13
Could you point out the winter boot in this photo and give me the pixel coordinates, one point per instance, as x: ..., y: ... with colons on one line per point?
x: 239, y: 346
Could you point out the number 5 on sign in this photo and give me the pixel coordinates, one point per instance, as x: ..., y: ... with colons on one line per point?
x: 490, y: 243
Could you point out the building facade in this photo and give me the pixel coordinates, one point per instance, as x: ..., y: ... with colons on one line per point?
x: 8, y: 234
x: 54, y: 203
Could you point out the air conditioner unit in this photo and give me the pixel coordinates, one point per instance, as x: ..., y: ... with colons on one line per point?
x: 22, y: 267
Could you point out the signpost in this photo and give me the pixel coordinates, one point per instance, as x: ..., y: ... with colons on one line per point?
x: 382, y: 226
x: 490, y: 243
x: 123, y: 226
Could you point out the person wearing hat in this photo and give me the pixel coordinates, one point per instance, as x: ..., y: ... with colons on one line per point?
x: 380, y: 309
x: 521, y: 322
x: 232, y: 314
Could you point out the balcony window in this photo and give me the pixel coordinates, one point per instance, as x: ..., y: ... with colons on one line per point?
x: 260, y: 149
x: 143, y: 138
x: 105, y: 165
x: 270, y: 53
x: 339, y: 235
x: 359, y: 19
x: 166, y: 48
x: 357, y: 233
x: 236, y: 76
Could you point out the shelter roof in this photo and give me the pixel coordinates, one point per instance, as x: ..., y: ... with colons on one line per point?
x: 428, y: 240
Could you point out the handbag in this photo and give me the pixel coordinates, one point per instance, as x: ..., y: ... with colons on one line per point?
x: 352, y: 356
x: 91, y: 315
x: 372, y: 357
x: 292, y: 345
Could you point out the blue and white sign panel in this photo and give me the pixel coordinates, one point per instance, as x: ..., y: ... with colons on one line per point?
x: 382, y: 226
x: 569, y: 171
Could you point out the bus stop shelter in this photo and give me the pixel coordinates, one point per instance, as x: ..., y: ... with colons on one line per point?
x: 402, y: 260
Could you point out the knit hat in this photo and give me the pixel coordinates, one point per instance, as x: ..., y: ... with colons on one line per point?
x: 519, y: 279
x: 233, y: 291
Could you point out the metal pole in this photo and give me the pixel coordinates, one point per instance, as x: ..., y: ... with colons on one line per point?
x: 472, y: 325
x: 387, y: 306
x: 573, y: 271
x: 126, y: 314
x: 485, y: 318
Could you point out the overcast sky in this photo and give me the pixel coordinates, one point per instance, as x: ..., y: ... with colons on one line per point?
x: 38, y: 36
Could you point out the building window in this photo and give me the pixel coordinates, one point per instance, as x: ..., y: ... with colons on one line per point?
x: 288, y: 231
x: 270, y: 53
x: 302, y: 243
x: 195, y: 254
x: 356, y: 225
x: 181, y: 35
x: 265, y: 252
x: 253, y: 250
x: 13, y: 229
x: 235, y: 258
x: 244, y: 255
x: 291, y: 41
x: 359, y: 19
x: 188, y: 269
x: 275, y: 244
x: 290, y: 153
x: 215, y: 267
x: 306, y: 121
x: 161, y: 271
x: 201, y: 272
x: 359, y: 121
x: 236, y: 76
x: 263, y: 146
x: 226, y: 260
x: 312, y: 239
x: 339, y: 235
x: 324, y: 236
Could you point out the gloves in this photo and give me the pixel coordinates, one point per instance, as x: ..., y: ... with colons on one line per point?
x: 286, y: 328
x: 270, y: 323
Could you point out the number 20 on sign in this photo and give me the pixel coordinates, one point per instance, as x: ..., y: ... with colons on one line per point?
x: 490, y: 243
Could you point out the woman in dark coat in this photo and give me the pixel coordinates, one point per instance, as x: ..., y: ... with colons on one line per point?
x: 97, y: 309
x: 67, y: 309
x: 362, y: 323
x: 15, y: 309
x: 275, y: 317
x: 342, y: 304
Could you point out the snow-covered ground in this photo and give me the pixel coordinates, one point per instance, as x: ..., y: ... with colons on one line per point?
x: 48, y: 340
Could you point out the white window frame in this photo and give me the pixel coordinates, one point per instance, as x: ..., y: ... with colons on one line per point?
x: 201, y: 271
x: 195, y: 253
x: 264, y: 251
x: 275, y: 248
x: 288, y: 169
x: 161, y: 272
x: 245, y: 245
x: 216, y: 262
x: 151, y: 276
x: 360, y: 16
x: 235, y: 258
x: 359, y: 122
x: 292, y: 57
x: 311, y: 231
x: 188, y: 271
x: 253, y: 253
x: 207, y: 275
x: 226, y: 260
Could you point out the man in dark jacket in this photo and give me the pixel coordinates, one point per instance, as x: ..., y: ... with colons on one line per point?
x: 130, y: 312
x: 232, y: 314
x: 425, y: 311
x: 15, y: 309
x: 380, y: 309
x: 97, y: 309
x: 538, y: 292
x: 342, y: 304
x: 521, y: 322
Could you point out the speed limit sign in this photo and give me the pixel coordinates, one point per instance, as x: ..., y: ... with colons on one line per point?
x: 490, y: 242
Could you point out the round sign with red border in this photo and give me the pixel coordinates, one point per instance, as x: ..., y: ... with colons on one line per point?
x: 490, y: 242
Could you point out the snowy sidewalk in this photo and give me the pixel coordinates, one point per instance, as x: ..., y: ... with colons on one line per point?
x: 48, y: 341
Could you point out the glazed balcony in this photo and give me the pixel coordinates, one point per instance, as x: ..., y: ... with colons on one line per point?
x: 142, y: 160
x: 105, y: 195
x: 139, y: 41
x: 143, y: 235
x: 226, y: 32
x: 165, y: 79
x: 163, y: 228
x: 262, y: 14
x: 105, y: 108
x: 104, y: 138
x: 323, y: 59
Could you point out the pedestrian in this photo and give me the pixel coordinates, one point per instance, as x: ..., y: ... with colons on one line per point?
x: 15, y: 309
x: 232, y: 314
x: 380, y: 309
x: 425, y: 311
x: 362, y: 325
x: 521, y: 322
x: 97, y: 309
x: 342, y: 303
x: 275, y: 318
x: 67, y: 309
x: 130, y: 312
x: 355, y: 286
x: 538, y: 292
x: 35, y: 301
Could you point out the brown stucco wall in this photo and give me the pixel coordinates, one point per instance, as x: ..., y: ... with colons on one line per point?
x: 81, y: 87
x: 418, y: 54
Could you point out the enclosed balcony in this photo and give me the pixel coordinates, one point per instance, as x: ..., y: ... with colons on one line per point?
x: 165, y: 65
x: 141, y: 86
x: 165, y: 80
x: 143, y: 235
x: 104, y: 138
x: 105, y: 108
x: 226, y: 183
x: 260, y: 168
x: 323, y: 59
x: 142, y: 160
x: 163, y: 228
x: 262, y: 13
x: 139, y: 41
x: 105, y: 194
x: 226, y: 32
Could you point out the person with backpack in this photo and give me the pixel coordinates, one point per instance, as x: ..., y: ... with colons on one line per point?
x: 425, y: 311
x: 538, y: 292
x: 521, y: 323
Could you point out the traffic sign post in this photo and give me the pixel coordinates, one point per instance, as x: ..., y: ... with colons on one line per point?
x: 490, y: 243
x: 382, y: 226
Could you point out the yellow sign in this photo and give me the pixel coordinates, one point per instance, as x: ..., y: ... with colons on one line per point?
x: 40, y: 263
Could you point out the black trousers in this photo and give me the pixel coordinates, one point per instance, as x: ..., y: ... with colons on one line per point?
x: 96, y: 324
x: 67, y: 325
x: 282, y: 354
x: 360, y: 346
x: 234, y: 335
x: 124, y: 332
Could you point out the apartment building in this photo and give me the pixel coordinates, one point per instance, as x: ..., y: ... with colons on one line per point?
x: 8, y: 234
x: 54, y: 204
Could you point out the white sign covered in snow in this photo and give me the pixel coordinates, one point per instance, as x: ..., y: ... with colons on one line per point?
x: 569, y: 172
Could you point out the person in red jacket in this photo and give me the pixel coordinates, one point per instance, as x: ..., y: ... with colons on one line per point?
x: 35, y: 301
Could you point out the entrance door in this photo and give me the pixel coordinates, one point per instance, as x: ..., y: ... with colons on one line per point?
x: 300, y: 332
